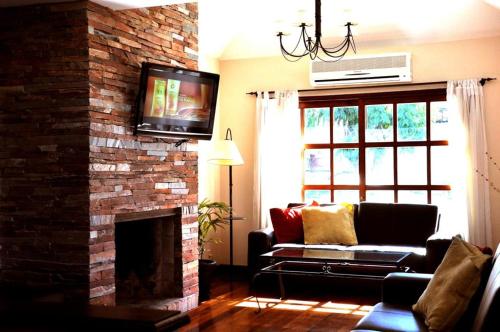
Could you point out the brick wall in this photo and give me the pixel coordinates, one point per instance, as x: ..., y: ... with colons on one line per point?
x: 70, y: 162
x: 129, y: 173
x: 44, y: 151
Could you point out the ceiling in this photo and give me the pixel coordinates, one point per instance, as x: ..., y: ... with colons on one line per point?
x: 241, y: 28
x: 231, y: 29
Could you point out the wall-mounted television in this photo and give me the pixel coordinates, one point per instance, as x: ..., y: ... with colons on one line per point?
x: 176, y: 102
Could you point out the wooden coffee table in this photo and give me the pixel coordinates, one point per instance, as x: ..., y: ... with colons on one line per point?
x: 331, y: 263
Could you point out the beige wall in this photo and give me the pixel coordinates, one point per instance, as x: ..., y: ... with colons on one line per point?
x: 431, y: 62
x: 208, y: 175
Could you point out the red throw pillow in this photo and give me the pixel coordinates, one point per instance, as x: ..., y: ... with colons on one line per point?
x: 485, y: 250
x: 287, y: 224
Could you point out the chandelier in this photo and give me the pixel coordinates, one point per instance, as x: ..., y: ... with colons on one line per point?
x: 314, y: 47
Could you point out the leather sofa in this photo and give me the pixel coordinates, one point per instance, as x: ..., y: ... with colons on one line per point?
x: 379, y: 227
x: 401, y: 290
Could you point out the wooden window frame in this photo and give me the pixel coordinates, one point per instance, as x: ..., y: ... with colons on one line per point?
x: 360, y: 100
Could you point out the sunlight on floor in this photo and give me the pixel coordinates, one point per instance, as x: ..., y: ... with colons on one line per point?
x: 299, y: 305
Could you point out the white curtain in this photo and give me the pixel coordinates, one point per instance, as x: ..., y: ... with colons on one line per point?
x: 277, y: 155
x: 468, y: 143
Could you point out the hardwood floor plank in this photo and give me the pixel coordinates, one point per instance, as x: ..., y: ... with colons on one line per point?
x: 234, y: 308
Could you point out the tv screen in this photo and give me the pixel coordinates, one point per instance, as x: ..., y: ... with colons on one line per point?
x: 176, y: 102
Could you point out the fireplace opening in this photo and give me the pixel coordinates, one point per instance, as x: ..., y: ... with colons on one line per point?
x: 148, y: 262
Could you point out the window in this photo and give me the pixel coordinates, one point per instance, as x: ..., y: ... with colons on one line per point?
x: 381, y: 147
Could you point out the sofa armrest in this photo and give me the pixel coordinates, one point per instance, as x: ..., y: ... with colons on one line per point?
x: 436, y: 247
x: 404, y: 288
x: 259, y: 242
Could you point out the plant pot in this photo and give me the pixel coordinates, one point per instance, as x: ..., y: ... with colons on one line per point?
x: 205, y: 274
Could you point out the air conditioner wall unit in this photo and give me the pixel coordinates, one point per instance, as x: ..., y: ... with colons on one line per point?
x: 374, y: 69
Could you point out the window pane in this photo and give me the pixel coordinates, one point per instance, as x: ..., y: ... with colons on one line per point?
x: 379, y: 166
x: 440, y: 165
x: 346, y: 166
x: 317, y: 166
x: 411, y: 122
x: 412, y: 165
x: 380, y: 196
x: 317, y: 125
x: 443, y: 199
x: 412, y: 196
x: 349, y: 196
x: 345, y: 127
x: 379, y: 123
x: 439, y: 121
x: 320, y: 196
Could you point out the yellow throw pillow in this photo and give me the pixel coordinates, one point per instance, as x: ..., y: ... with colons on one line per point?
x: 329, y: 224
x: 454, y: 283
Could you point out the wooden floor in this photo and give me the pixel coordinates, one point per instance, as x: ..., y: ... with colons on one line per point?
x: 234, y: 308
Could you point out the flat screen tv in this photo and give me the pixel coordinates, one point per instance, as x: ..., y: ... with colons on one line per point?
x: 176, y: 102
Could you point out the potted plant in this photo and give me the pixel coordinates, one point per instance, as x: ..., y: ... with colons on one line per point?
x: 211, y: 215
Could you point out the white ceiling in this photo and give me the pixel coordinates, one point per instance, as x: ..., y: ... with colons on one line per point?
x: 231, y: 29
x: 241, y: 28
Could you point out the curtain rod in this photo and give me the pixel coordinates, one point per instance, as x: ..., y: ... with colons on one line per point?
x: 482, y: 81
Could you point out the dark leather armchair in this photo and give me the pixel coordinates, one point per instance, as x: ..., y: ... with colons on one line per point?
x: 401, y: 290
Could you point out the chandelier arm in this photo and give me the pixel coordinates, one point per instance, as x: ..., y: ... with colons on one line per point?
x: 309, y: 46
x: 347, y: 44
x: 339, y: 48
x: 290, y: 58
x: 347, y: 40
x: 317, y: 46
x: 314, y: 51
x: 334, y: 57
x: 339, y: 53
x: 303, y: 31
x: 284, y: 51
x: 353, y: 44
x: 338, y: 56
x: 290, y: 54
x: 335, y: 49
x: 305, y: 37
x: 330, y: 59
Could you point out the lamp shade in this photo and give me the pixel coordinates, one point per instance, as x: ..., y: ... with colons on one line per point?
x: 225, y: 152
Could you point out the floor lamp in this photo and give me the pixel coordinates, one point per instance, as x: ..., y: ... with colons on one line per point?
x: 225, y: 153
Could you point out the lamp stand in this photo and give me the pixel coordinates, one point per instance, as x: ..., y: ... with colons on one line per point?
x: 231, y: 217
x: 225, y: 153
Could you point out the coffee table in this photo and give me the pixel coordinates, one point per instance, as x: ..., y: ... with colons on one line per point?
x: 331, y: 263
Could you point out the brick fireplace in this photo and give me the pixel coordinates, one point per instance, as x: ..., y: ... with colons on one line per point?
x: 148, y: 261
x: 73, y: 173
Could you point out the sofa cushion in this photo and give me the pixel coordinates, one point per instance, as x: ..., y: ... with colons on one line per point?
x: 391, y: 317
x: 395, y: 224
x: 287, y: 224
x: 456, y: 280
x: 310, y: 246
x: 416, y: 250
x: 364, y: 247
x: 329, y: 224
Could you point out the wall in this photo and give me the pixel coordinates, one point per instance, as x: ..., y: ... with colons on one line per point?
x: 70, y: 161
x: 44, y: 152
x: 431, y: 62
x: 208, y: 175
x: 136, y: 173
